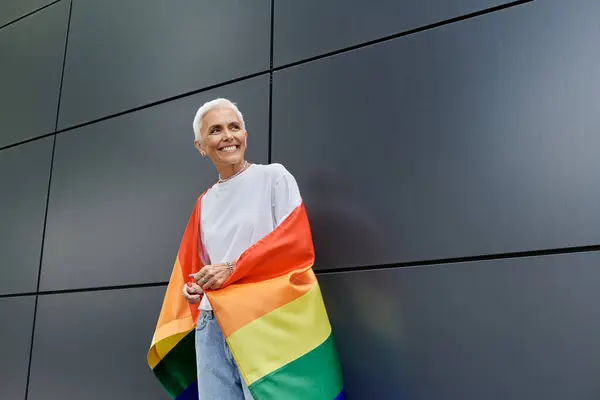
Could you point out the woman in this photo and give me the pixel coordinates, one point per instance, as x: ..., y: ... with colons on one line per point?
x: 246, y: 204
x: 252, y: 323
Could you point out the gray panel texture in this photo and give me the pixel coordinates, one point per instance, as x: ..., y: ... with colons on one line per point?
x: 122, y: 55
x: 24, y: 174
x: 93, y: 345
x: 123, y: 189
x: 16, y: 323
x: 303, y: 29
x: 32, y: 52
x: 479, y: 137
x: 10, y: 10
x: 518, y: 329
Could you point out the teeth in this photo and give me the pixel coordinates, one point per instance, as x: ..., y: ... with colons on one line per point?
x: 229, y: 148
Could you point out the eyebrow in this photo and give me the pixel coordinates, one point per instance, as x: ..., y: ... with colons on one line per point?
x: 227, y: 123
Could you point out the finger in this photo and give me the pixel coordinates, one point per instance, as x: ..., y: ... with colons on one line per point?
x: 191, y: 288
x: 192, y: 292
x: 201, y: 271
x: 195, y: 289
x: 210, y: 284
x: 191, y: 298
x: 197, y: 276
x: 218, y: 284
x: 206, y: 286
x: 199, y: 279
x: 207, y: 277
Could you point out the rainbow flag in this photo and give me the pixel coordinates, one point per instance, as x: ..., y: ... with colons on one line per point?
x: 270, y: 310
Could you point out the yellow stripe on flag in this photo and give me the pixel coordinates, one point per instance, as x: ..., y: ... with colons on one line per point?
x: 160, y: 350
x: 281, y: 336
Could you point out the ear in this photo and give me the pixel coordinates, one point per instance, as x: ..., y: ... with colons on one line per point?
x: 198, y: 146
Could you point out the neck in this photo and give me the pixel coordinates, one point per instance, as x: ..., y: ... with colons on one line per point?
x: 227, y: 171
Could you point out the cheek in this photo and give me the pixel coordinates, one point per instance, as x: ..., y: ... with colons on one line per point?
x: 211, y: 145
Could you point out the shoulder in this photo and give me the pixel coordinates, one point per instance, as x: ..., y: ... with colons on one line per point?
x: 274, y: 171
x: 203, y: 196
x: 208, y: 193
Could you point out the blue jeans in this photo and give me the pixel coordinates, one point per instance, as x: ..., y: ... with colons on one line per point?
x: 218, y: 374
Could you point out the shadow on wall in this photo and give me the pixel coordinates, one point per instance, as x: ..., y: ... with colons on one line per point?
x: 345, y: 232
x: 365, y: 313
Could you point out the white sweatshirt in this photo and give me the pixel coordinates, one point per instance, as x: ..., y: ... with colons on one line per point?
x: 239, y: 212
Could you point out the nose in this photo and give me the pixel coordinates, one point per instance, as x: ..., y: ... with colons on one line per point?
x: 228, y: 135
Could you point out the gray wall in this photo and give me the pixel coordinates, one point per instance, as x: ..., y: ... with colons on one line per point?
x: 446, y: 152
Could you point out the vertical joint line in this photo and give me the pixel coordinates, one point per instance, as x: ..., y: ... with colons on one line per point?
x: 62, y: 74
x: 270, y: 116
x: 37, y: 290
x: 37, y: 296
x: 269, y: 155
x: 272, y: 32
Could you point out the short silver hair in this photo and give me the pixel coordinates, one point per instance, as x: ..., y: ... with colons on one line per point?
x: 212, y: 105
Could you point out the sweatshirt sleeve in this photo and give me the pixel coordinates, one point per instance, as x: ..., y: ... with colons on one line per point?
x: 286, y: 197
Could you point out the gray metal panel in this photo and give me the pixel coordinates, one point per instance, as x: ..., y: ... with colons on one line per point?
x: 93, y: 345
x: 16, y: 323
x: 516, y: 329
x: 32, y: 57
x: 474, y: 138
x: 24, y: 174
x: 13, y: 9
x: 308, y: 28
x: 126, y: 54
x: 123, y: 189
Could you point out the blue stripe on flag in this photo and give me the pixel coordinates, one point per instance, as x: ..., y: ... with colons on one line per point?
x: 190, y: 393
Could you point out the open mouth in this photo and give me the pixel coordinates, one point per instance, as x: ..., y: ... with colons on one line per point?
x: 229, y: 149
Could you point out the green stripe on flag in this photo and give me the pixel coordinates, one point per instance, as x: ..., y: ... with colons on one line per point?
x: 317, y: 375
x: 177, y: 370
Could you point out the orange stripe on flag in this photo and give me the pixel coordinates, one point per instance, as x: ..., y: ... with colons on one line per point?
x: 258, y: 298
x: 175, y: 318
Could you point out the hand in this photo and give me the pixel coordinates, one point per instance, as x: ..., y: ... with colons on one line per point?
x: 192, y: 293
x: 212, y: 277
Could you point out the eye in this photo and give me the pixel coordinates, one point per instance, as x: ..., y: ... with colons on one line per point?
x: 215, y: 129
x: 234, y: 127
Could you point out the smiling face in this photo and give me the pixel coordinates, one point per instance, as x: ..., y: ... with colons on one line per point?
x: 223, y: 139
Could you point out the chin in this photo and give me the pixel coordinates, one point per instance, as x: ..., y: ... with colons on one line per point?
x: 232, y: 158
